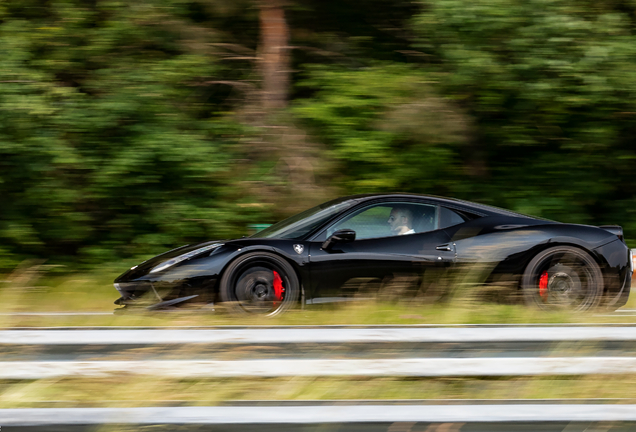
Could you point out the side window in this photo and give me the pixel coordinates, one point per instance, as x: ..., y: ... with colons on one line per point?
x: 449, y: 218
x: 389, y: 219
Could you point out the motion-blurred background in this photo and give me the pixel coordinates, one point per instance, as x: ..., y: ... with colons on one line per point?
x: 127, y: 127
x: 131, y: 127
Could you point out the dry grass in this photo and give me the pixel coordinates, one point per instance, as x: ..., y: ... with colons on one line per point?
x: 30, y: 290
x: 358, y: 314
x: 151, y: 391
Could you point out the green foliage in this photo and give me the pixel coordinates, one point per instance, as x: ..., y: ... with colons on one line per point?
x: 387, y: 127
x: 131, y: 127
x: 105, y: 150
x: 551, y: 86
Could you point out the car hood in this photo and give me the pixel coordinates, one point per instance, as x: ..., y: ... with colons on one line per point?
x: 145, y: 267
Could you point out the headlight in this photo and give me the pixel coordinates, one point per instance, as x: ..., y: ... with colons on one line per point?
x: 631, y: 261
x: 176, y: 260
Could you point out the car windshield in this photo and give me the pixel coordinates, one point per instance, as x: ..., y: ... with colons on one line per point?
x: 303, y: 223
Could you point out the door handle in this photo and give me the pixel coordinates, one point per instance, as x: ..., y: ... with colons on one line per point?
x: 445, y: 247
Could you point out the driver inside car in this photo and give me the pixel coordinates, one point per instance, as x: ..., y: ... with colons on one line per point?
x: 401, y: 221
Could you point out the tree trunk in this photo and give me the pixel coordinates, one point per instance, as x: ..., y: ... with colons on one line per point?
x: 274, y: 54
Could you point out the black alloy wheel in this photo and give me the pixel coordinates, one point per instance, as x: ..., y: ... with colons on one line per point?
x: 259, y: 283
x: 563, y: 277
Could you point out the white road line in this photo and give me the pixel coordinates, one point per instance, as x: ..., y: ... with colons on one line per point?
x: 317, y: 335
x: 319, y: 414
x: 416, y: 367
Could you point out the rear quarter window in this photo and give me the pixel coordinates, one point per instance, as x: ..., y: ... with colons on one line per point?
x: 449, y: 218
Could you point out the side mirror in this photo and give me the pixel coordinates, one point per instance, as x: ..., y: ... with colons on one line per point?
x: 340, y: 236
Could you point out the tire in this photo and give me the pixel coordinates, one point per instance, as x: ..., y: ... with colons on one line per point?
x: 250, y: 286
x: 563, y: 278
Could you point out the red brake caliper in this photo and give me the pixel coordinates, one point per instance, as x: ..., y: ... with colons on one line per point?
x: 543, y: 286
x: 278, y: 287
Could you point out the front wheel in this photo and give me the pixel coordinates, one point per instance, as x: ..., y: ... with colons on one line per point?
x: 563, y: 277
x: 259, y: 283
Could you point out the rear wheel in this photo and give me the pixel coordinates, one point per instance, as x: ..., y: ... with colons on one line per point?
x: 563, y: 277
x: 259, y: 283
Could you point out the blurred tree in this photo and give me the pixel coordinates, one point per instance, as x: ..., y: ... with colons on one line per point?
x: 105, y: 141
x: 550, y: 84
x: 388, y: 128
x: 274, y: 54
x: 129, y: 127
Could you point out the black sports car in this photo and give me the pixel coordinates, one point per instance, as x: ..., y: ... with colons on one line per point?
x: 359, y: 245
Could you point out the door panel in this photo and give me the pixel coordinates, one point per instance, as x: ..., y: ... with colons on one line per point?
x: 363, y: 266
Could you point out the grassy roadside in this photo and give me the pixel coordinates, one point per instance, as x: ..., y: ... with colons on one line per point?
x: 93, y: 292
x: 36, y: 289
x: 363, y: 314
x: 154, y: 391
x: 33, y: 291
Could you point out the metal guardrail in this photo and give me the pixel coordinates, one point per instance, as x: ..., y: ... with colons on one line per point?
x: 312, y: 351
x: 328, y: 335
x: 418, y: 367
x: 386, y: 415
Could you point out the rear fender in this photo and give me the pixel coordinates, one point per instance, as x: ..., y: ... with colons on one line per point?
x: 616, y: 272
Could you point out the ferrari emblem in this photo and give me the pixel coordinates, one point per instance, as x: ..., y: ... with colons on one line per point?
x: 299, y: 248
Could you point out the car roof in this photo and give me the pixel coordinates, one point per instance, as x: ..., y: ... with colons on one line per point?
x: 452, y: 202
